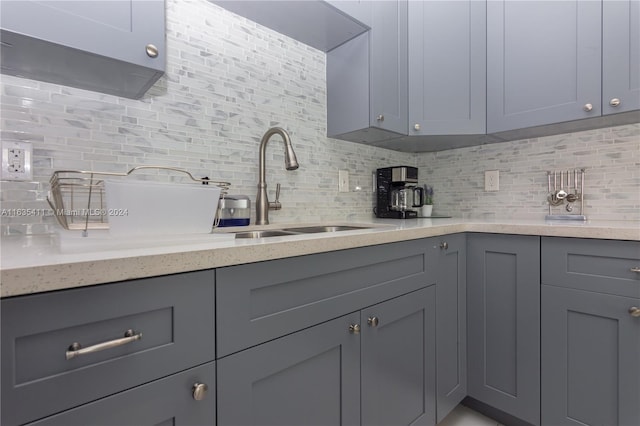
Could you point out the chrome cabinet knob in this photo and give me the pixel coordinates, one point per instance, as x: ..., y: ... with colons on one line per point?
x: 634, y: 311
x: 588, y: 107
x: 354, y: 329
x: 444, y: 245
x: 614, y: 102
x: 373, y: 321
x: 636, y: 269
x: 199, y: 391
x: 380, y: 117
x: 152, y: 50
x: 416, y: 127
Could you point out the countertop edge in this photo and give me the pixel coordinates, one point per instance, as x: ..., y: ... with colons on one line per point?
x: 36, y: 279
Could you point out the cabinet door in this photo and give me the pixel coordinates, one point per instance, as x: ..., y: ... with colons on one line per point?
x: 503, y: 307
x: 543, y: 62
x: 311, y: 377
x: 166, y: 402
x: 451, y: 322
x: 398, y: 361
x: 447, y: 67
x: 590, y: 358
x: 388, y: 66
x: 620, y: 56
x: 94, y: 45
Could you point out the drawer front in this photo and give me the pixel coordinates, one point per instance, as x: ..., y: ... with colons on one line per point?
x: 173, y: 314
x: 262, y: 301
x: 164, y: 402
x: 603, y: 266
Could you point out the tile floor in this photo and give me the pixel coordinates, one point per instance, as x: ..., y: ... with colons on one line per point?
x: 463, y: 416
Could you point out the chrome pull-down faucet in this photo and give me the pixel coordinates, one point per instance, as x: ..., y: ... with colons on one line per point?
x: 290, y: 162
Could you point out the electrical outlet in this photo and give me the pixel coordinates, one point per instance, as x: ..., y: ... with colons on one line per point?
x: 491, y: 180
x: 343, y: 180
x: 16, y: 160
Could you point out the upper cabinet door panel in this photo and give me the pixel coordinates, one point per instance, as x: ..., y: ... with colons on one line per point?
x: 620, y: 56
x: 106, y: 28
x: 389, y: 66
x: 543, y: 62
x: 447, y: 67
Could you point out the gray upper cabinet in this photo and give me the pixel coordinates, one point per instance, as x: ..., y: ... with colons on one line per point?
x: 451, y: 320
x: 320, y: 24
x: 620, y: 56
x: 367, y: 79
x: 503, y: 336
x: 447, y: 67
x: 115, y: 47
x: 543, y: 62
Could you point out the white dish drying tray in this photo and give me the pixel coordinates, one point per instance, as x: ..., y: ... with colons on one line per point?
x: 80, y: 201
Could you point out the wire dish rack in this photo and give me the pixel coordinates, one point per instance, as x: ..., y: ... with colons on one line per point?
x: 77, y: 197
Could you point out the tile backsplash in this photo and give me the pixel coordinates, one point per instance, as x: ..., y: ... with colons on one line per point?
x: 228, y: 80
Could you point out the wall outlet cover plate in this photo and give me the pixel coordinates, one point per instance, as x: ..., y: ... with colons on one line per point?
x: 17, y: 161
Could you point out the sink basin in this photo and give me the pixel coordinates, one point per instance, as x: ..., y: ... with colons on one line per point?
x: 317, y: 229
x: 263, y: 234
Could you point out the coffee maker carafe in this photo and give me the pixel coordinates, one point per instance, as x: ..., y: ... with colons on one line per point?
x: 397, y: 197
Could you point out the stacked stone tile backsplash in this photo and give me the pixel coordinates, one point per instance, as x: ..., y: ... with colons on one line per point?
x: 228, y: 80
x: 611, y: 157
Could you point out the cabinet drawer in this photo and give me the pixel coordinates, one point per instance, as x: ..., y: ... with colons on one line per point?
x: 164, y: 402
x: 174, y: 314
x: 603, y: 266
x: 262, y: 301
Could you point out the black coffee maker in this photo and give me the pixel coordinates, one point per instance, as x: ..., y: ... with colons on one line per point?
x: 397, y: 196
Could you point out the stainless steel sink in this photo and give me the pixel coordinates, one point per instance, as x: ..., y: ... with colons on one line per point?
x: 298, y: 231
x: 318, y: 229
x: 264, y: 233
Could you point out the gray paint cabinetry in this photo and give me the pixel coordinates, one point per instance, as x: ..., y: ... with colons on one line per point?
x: 367, y: 79
x: 328, y: 374
x: 554, y: 62
x: 503, y: 346
x: 447, y: 67
x: 543, y: 62
x: 174, y: 316
x: 590, y: 358
x: 590, y: 340
x: 99, y: 46
x: 451, y: 321
x: 165, y: 402
x: 620, y: 56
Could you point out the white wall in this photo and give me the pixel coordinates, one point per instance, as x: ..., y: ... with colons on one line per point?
x: 229, y: 80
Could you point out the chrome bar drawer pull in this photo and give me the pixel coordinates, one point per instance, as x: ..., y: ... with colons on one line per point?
x: 636, y: 269
x: 76, y: 348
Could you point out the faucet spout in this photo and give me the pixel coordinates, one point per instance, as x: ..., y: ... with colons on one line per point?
x: 290, y: 162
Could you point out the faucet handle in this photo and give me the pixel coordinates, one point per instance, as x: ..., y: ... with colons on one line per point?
x: 275, y: 205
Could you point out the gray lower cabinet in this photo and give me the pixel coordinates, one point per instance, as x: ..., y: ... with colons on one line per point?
x: 503, y: 335
x: 64, y: 349
x: 590, y: 332
x: 165, y: 402
x: 374, y: 367
x: 590, y: 358
x: 309, y: 377
x: 398, y: 361
x: 451, y: 321
x: 115, y: 47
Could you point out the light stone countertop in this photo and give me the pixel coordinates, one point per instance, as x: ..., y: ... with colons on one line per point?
x: 33, y: 264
